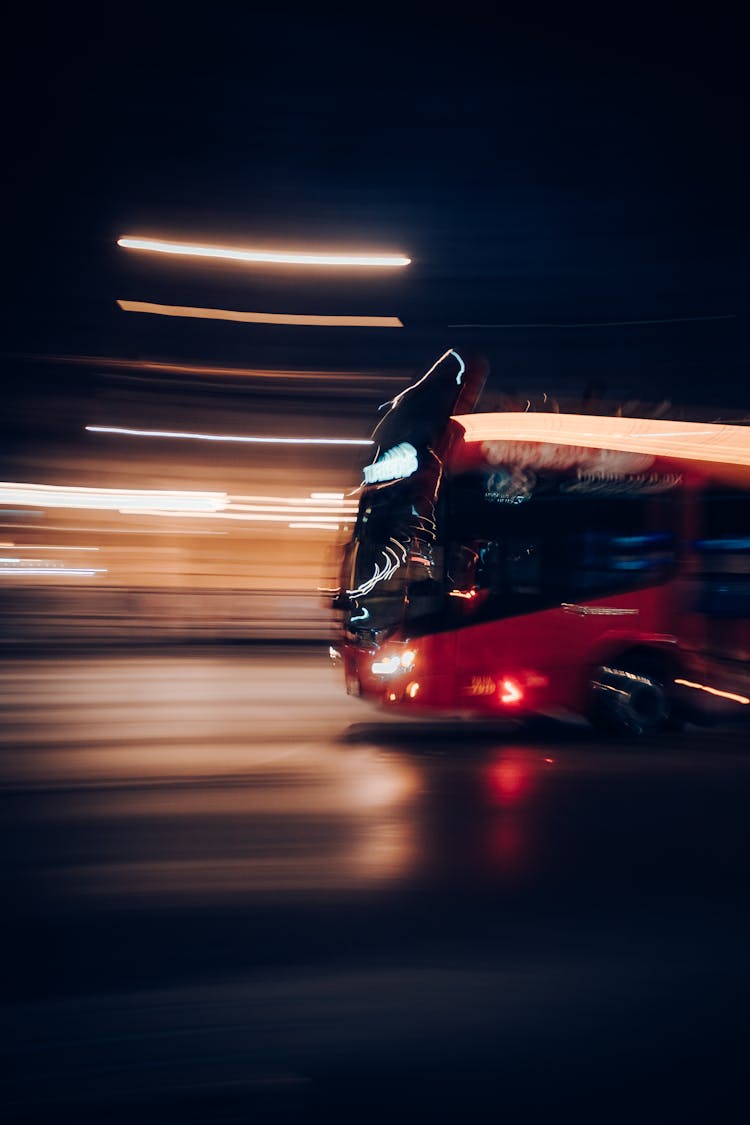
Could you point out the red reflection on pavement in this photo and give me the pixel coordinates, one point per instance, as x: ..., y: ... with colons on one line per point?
x: 510, y: 780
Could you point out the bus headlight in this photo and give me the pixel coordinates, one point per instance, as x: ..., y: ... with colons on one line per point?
x: 396, y: 662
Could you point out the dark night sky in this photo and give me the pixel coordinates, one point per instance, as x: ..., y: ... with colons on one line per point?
x: 565, y: 171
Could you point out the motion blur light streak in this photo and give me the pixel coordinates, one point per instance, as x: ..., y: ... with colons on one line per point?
x: 252, y: 440
x: 248, y: 517
x: 692, y: 441
x: 304, y: 509
x: 603, y: 323
x: 35, y: 564
x: 135, y: 500
x: 53, y: 570
x: 304, y: 319
x: 334, y: 498
x: 269, y: 257
x: 111, y: 530
x: 715, y: 691
x: 395, y: 464
x: 316, y: 526
x: 158, y: 368
x: 411, y: 387
x: 278, y: 509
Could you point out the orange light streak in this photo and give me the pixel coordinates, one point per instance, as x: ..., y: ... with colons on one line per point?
x: 300, y: 319
x: 158, y: 368
x: 691, y: 441
x: 715, y: 691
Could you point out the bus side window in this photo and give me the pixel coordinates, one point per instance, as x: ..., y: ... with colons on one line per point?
x: 508, y: 566
x: 463, y: 567
x: 478, y: 564
x: 523, y: 566
x: 600, y: 557
x: 724, y: 556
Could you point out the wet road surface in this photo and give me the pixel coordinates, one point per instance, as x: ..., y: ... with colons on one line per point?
x: 233, y: 894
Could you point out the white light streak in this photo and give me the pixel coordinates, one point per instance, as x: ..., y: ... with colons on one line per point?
x: 316, y: 526
x: 462, y: 368
x: 109, y: 499
x: 313, y: 509
x: 245, y: 439
x: 113, y: 530
x: 299, y: 319
x: 381, y: 574
x: 327, y: 495
x: 301, y: 500
x: 53, y: 570
x: 35, y: 547
x: 395, y: 464
x: 268, y: 257
x: 240, y: 516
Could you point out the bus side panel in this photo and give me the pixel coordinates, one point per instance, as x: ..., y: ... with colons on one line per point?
x: 548, y: 657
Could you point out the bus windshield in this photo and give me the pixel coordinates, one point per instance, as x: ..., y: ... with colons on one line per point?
x: 396, y: 565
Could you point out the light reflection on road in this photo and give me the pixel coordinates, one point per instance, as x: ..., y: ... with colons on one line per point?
x: 207, y: 775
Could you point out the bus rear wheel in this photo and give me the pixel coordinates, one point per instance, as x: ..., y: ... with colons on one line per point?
x: 630, y: 698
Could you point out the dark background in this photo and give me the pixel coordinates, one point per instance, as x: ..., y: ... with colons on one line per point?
x: 231, y: 892
x: 557, y: 169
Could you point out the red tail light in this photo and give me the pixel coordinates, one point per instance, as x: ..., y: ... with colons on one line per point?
x: 510, y: 691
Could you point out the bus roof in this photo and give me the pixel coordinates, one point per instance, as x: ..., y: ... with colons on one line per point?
x: 712, y: 442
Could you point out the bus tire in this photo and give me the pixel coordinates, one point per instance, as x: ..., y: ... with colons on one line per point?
x: 630, y: 698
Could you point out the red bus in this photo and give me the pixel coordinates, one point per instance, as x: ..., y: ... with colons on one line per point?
x: 516, y: 564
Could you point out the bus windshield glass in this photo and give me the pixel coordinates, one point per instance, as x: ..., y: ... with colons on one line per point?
x: 395, y: 567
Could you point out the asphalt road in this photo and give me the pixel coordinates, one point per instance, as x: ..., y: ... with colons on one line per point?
x: 232, y: 894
